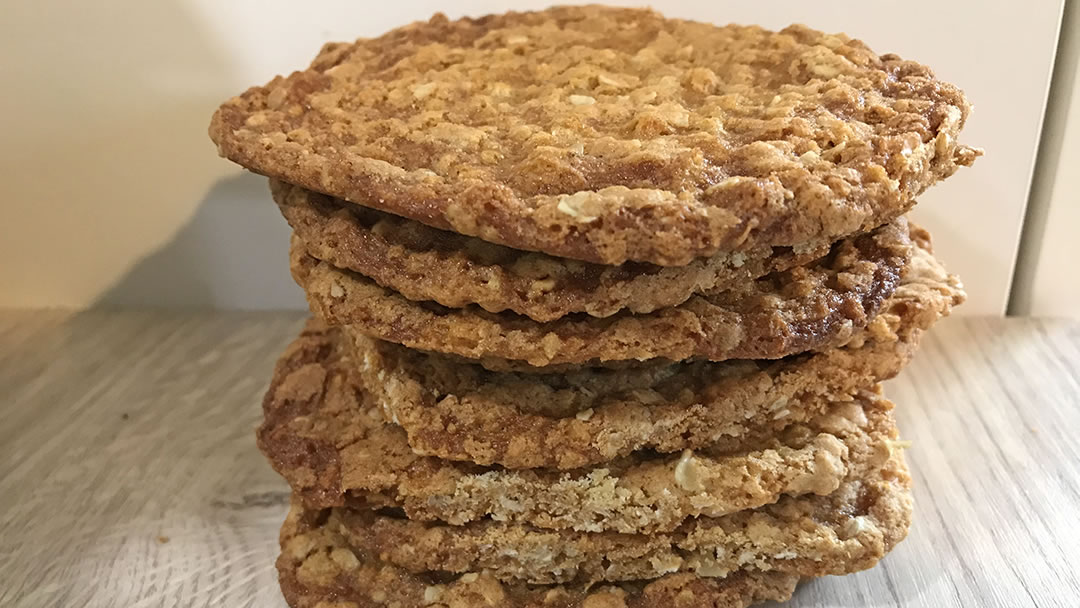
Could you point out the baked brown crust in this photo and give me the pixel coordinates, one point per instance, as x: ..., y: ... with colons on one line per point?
x: 577, y: 417
x: 847, y: 531
x: 424, y: 263
x: 318, y: 568
x: 607, y: 134
x: 804, y: 308
x: 318, y: 411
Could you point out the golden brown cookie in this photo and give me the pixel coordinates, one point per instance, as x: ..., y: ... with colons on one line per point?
x: 608, y: 134
x: 803, y: 308
x: 424, y: 263
x: 325, y: 434
x: 319, y: 569
x: 575, y: 417
x: 847, y: 531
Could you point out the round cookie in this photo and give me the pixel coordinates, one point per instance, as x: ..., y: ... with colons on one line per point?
x: 608, y: 135
x: 424, y: 263
x: 847, y: 531
x: 317, y: 568
x: 803, y: 308
x: 325, y: 434
x: 577, y: 417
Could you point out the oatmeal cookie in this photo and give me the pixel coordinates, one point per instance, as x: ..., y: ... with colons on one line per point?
x: 319, y: 569
x: 809, y: 536
x: 572, y: 417
x: 424, y: 263
x: 325, y: 434
x: 804, y: 308
x: 606, y: 134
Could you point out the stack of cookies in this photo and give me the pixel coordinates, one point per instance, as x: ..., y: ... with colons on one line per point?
x: 602, y: 302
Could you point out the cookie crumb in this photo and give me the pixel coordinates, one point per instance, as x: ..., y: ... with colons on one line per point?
x: 433, y: 593
x: 898, y: 444
x: 687, y: 473
x: 855, y: 526
x: 421, y: 91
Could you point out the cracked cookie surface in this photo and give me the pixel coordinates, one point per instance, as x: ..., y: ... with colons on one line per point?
x: 847, y: 531
x: 318, y: 568
x: 606, y: 134
x: 424, y: 263
x: 326, y: 435
x: 573, y: 417
x: 803, y: 308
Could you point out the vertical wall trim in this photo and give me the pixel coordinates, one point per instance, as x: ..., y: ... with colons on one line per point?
x: 1066, y: 66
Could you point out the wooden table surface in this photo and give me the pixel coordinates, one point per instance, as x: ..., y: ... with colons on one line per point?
x: 129, y: 475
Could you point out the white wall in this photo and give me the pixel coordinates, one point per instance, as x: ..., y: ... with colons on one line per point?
x: 113, y: 194
x: 1048, y: 281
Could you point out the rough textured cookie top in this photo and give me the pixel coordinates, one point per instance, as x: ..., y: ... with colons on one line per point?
x: 608, y: 134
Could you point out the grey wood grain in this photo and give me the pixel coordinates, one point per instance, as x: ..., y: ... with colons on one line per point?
x: 130, y: 475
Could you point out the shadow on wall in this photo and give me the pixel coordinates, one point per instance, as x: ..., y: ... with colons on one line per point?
x: 232, y: 253
x: 111, y: 104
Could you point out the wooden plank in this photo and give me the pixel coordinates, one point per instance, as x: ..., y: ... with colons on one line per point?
x: 130, y: 476
x: 989, y: 405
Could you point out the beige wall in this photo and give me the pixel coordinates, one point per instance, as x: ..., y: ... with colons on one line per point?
x: 113, y: 194
x: 107, y: 164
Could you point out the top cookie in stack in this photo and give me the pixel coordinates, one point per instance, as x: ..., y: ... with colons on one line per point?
x: 602, y: 297
x: 608, y: 135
